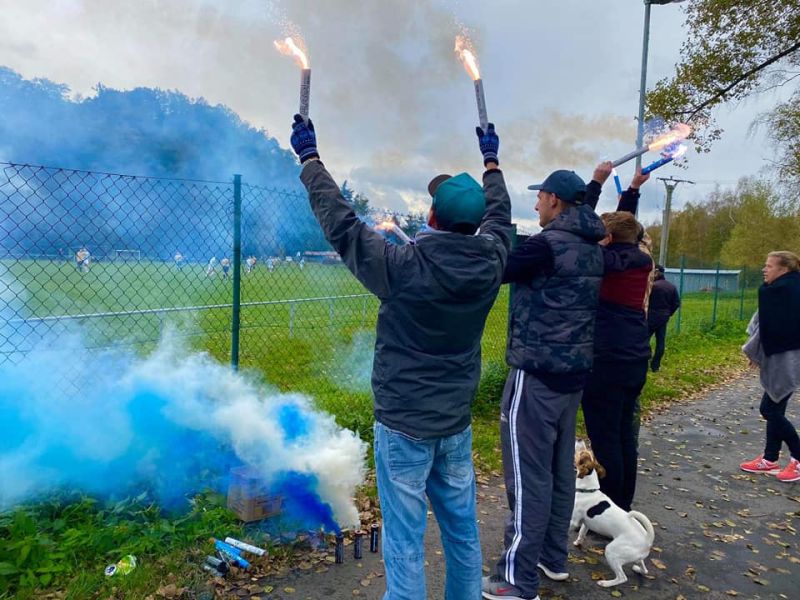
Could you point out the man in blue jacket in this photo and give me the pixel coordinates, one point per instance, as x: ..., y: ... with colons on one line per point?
x: 435, y: 296
x: 550, y: 344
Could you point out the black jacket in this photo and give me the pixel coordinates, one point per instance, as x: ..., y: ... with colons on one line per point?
x: 664, y: 301
x: 779, y: 314
x: 435, y: 296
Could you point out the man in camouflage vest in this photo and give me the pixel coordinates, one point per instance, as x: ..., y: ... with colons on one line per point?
x: 550, y: 345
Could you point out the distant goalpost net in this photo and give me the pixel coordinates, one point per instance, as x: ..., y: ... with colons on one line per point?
x: 127, y: 255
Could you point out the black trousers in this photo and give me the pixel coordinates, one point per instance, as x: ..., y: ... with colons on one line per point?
x: 611, y: 412
x: 779, y: 428
x: 661, y: 345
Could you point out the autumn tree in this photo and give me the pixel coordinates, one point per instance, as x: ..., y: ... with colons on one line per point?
x: 734, y: 49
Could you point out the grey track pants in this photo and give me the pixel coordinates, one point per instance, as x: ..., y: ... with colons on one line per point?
x: 537, y: 432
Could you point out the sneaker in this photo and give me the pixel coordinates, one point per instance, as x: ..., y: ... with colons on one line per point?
x: 760, y: 465
x: 791, y: 472
x: 495, y: 588
x: 554, y: 575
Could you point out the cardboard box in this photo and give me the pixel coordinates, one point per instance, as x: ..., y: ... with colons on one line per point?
x: 249, y: 498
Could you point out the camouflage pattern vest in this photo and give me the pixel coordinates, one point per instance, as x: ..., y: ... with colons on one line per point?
x: 551, y: 327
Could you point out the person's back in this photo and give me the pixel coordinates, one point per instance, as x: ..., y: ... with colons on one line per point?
x: 664, y: 301
x: 427, y: 359
x: 435, y: 295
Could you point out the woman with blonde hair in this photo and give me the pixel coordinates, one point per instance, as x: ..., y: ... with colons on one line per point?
x: 774, y: 346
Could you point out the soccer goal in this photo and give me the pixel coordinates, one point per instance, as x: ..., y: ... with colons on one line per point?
x: 127, y: 255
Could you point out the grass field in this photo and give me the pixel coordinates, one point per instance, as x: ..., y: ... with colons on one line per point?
x: 319, y: 347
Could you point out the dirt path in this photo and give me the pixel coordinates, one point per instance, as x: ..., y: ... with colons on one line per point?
x: 720, y: 533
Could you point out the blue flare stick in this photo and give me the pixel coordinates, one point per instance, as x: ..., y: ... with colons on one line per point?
x: 656, y: 164
x: 233, y: 554
x: 618, y: 184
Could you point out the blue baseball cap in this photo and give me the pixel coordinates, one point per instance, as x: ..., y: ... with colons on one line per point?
x: 566, y: 185
x: 457, y: 200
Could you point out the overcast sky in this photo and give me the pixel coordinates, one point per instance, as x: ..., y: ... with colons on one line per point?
x: 391, y: 104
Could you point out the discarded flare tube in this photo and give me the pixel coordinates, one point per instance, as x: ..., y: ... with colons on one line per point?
x: 339, y: 549
x: 245, y: 546
x: 358, y: 545
x: 373, y: 537
x: 617, y: 182
x: 216, y: 565
x: 231, y: 554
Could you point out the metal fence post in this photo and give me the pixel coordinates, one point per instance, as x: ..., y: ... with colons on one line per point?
x: 680, y: 294
x: 363, y: 312
x: 237, y: 270
x: 716, y: 297
x: 741, y: 295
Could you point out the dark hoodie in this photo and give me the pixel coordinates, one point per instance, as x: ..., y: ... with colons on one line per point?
x: 551, y: 328
x: 435, y: 296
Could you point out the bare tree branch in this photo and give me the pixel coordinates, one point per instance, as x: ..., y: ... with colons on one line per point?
x: 721, y: 93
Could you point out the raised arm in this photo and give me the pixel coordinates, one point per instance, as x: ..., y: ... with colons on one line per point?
x: 629, y: 200
x: 496, y: 220
x: 365, y: 252
x: 595, y: 186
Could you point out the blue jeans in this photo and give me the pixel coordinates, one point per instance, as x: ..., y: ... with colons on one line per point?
x: 408, y: 470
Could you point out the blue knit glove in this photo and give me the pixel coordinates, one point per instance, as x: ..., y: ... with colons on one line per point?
x: 304, y: 139
x: 489, y: 143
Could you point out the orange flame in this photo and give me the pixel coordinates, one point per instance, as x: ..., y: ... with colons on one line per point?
x: 386, y: 225
x: 290, y: 48
x: 465, y: 53
x: 678, y: 132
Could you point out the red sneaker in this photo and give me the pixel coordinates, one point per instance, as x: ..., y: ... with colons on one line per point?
x: 791, y: 472
x: 760, y: 465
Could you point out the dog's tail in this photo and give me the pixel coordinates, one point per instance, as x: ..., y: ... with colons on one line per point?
x: 644, y: 522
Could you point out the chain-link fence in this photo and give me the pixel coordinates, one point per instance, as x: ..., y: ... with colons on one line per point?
x: 240, y: 271
x: 712, y: 294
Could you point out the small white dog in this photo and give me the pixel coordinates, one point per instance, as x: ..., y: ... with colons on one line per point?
x: 631, y: 532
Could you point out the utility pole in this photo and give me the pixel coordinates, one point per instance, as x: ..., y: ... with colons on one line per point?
x: 670, y: 183
x: 643, y: 74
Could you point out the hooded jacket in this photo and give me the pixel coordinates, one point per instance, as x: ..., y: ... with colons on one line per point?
x: 551, y: 328
x: 779, y: 314
x: 435, y: 295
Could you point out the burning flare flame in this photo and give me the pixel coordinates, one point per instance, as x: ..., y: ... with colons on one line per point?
x: 676, y: 152
x: 387, y: 225
x: 465, y: 53
x: 678, y: 132
x: 290, y: 48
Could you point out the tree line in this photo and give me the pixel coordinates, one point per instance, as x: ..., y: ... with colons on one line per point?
x: 736, y: 227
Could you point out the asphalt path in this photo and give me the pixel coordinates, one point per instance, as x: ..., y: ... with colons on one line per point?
x: 720, y: 533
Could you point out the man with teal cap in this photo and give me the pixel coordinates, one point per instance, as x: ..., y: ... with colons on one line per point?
x: 435, y: 295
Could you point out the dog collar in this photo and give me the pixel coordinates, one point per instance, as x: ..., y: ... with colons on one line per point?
x: 588, y: 491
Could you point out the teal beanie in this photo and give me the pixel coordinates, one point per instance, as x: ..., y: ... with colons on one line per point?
x: 459, y: 200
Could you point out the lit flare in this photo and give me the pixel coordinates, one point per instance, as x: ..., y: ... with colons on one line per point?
x: 467, y: 56
x: 678, y: 132
x: 290, y: 48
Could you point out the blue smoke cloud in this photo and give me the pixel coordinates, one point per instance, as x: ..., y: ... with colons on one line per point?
x: 111, y: 424
x: 151, y: 133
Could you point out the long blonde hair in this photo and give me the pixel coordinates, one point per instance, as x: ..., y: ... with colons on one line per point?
x: 786, y: 259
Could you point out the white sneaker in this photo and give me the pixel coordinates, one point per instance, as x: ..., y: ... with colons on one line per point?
x: 552, y: 574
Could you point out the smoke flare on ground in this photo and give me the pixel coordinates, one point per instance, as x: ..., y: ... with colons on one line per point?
x: 110, y: 423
